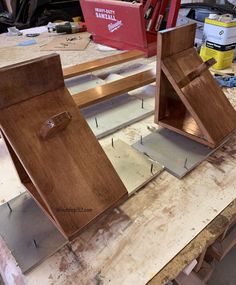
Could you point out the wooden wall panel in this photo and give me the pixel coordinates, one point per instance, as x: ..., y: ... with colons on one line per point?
x: 30, y: 78
x: 175, y: 40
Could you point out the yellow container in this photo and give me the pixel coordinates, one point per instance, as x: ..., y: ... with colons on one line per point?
x: 219, y: 40
x: 223, y: 59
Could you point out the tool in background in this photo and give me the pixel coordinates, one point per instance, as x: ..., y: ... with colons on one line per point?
x: 120, y: 34
x: 32, y: 35
x: 219, y: 38
x: 147, y: 9
x: 155, y: 14
x: 159, y: 19
x: 155, y: 10
x: 68, y: 28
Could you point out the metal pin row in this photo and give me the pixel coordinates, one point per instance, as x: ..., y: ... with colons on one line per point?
x: 34, y: 241
x: 185, y: 162
x: 113, y: 145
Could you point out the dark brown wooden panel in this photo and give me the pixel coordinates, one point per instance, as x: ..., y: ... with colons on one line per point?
x: 19, y: 82
x: 114, y: 88
x: 101, y: 63
x: 175, y: 40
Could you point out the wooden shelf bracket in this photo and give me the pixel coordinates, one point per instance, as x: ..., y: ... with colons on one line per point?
x: 189, y: 100
x: 55, y: 171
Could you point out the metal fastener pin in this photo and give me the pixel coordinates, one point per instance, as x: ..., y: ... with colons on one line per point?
x: 8, y: 205
x: 96, y: 122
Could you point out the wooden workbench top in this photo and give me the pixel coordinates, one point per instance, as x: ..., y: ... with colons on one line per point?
x: 138, y: 239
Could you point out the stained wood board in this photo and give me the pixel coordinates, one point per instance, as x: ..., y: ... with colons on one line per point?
x: 133, y: 167
x: 214, y: 101
x: 20, y: 82
x: 177, y: 153
x: 101, y: 63
x: 46, y: 178
x: 114, y: 88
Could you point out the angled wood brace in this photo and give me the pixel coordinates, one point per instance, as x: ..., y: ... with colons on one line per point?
x: 189, y: 100
x: 56, y: 155
x: 196, y: 73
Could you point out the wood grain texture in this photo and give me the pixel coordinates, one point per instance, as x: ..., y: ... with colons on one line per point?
x: 175, y: 40
x: 70, y: 171
x: 196, y: 73
x: 198, y: 109
x: 97, y: 64
x: 170, y: 42
x: 114, y: 88
x: 19, y: 82
x: 161, y: 218
x: 203, y: 97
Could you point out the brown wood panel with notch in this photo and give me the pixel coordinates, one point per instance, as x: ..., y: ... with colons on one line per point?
x: 65, y: 169
x: 114, y: 88
x: 100, y: 63
x: 189, y: 101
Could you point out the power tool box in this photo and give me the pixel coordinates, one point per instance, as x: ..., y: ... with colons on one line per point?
x: 128, y: 26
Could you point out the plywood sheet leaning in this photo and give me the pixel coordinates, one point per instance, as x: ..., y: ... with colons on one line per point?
x: 55, y: 153
x: 189, y: 101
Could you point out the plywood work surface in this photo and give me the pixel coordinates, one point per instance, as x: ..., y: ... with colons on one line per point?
x: 140, y: 237
x: 74, y: 42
